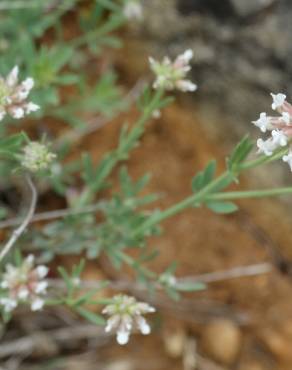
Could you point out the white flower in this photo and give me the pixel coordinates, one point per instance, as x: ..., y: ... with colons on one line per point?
x: 278, y: 100
x: 41, y: 287
x: 267, y: 147
x: 156, y: 114
x: 125, y: 315
x: 185, y: 86
x: 37, y: 157
x: 42, y: 271
x: 13, y: 96
x: 279, y: 138
x: 288, y: 158
x: 133, y: 10
x: 9, y: 304
x: 280, y: 127
x: 263, y: 123
x: 286, y: 117
x: 24, y: 284
x: 171, y: 75
x: 168, y: 280
x: 37, y: 304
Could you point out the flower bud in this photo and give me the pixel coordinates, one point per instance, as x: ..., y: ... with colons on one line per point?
x: 37, y: 157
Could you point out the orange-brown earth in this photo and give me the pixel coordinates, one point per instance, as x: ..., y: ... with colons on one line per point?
x: 173, y: 149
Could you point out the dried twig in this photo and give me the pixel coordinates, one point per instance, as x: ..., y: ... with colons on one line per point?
x: 27, y: 344
x: 235, y: 272
x: 50, y: 215
x: 17, y: 232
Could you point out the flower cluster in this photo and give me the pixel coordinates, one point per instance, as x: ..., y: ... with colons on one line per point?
x: 125, y: 315
x: 279, y: 126
x: 133, y: 10
x: 13, y: 96
x: 37, y: 157
x: 24, y: 283
x: 171, y: 75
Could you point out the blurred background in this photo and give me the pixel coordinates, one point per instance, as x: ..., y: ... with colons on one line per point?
x: 243, y: 321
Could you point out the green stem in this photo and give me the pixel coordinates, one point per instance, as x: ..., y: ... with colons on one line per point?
x: 93, y: 36
x: 249, y: 194
x: 190, y: 201
x: 124, y: 147
x: 263, y: 159
x: 202, y: 195
x: 131, y: 262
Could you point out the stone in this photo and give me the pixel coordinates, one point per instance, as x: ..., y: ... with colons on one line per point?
x: 221, y: 340
x: 244, y: 8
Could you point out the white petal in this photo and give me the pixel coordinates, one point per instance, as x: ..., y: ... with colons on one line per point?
x: 185, y: 86
x: 8, y: 303
x: 112, y: 323
x: 28, y: 83
x: 2, y: 114
x: 41, y: 287
x: 17, y: 112
x: 123, y: 337
x: 267, y: 147
x: 4, y: 284
x: 32, y: 107
x: 30, y: 259
x: 286, y: 117
x: 143, y: 325
x: 263, y: 123
x: 278, y: 100
x: 186, y: 56
x: 37, y: 304
x: 23, y: 293
x: 12, y: 78
x: 42, y: 271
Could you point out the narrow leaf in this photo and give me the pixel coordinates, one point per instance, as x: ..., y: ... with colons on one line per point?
x: 222, y: 207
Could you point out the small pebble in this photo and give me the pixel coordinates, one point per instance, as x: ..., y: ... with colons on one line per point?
x: 221, y: 340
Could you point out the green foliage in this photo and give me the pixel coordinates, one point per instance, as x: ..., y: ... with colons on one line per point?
x: 239, y: 154
x: 203, y: 178
x: 222, y: 207
x: 74, y: 88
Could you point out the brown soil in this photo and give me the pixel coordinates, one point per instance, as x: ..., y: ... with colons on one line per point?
x: 173, y: 149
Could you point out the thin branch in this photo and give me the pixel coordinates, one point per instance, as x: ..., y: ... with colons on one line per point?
x: 27, y: 344
x: 236, y: 272
x: 50, y: 215
x: 17, y: 232
x: 211, y: 277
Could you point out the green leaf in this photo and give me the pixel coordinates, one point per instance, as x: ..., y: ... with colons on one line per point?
x: 172, y: 293
x: 197, y: 182
x: 204, y: 177
x: 210, y: 171
x: 12, y: 143
x: 88, y: 170
x: 189, y: 286
x: 239, y: 154
x: 66, y: 278
x: 222, y: 207
x: 90, y: 316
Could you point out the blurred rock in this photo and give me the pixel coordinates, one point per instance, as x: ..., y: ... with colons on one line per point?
x: 249, y: 7
x: 174, y: 342
x: 237, y: 61
x: 251, y: 365
x: 221, y: 340
x: 278, y: 342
